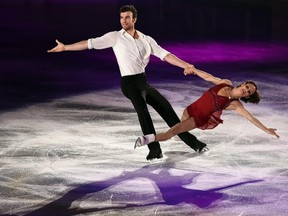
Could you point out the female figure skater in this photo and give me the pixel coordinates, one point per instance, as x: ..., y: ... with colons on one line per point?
x: 205, y: 112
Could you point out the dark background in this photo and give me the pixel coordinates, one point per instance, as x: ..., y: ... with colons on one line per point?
x: 164, y: 19
x: 29, y: 28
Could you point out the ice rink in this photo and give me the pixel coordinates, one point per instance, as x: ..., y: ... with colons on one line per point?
x: 73, y: 155
x: 67, y: 132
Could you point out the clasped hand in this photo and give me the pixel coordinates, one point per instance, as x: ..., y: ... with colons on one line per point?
x: 190, y: 69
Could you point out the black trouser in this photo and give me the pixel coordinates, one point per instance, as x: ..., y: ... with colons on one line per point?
x: 140, y: 93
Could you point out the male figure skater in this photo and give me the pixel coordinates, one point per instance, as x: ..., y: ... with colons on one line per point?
x: 132, y: 50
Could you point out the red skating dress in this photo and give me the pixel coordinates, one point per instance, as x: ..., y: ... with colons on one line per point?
x: 207, y: 110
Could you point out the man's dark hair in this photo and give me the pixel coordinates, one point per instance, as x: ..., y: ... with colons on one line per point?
x: 130, y: 8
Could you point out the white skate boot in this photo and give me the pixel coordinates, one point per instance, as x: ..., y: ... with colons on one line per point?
x: 144, y: 140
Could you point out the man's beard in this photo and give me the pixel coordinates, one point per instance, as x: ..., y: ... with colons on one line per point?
x: 127, y: 27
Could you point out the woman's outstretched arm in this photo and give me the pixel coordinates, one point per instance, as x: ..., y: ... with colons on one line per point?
x: 239, y: 108
x: 206, y: 76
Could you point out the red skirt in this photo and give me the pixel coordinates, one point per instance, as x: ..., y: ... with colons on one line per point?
x: 204, y: 121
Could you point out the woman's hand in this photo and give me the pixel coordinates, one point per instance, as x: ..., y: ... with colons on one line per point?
x: 272, y: 131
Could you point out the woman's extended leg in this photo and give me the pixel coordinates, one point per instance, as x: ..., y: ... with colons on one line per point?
x: 180, y: 127
x: 166, y: 111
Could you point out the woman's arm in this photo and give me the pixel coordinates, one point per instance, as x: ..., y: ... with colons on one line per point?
x: 209, y: 77
x: 239, y: 108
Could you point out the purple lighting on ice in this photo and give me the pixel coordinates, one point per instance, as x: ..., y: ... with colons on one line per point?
x: 219, y: 52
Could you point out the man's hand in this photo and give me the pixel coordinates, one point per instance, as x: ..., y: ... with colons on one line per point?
x: 190, y: 69
x: 59, y: 48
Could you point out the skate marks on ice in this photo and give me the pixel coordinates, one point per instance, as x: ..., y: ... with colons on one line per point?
x: 169, y: 190
x: 75, y: 155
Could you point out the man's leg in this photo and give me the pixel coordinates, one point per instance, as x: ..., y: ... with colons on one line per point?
x: 134, y: 88
x: 166, y: 111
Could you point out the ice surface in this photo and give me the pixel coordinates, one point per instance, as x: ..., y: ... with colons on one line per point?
x: 74, y: 156
x: 67, y: 133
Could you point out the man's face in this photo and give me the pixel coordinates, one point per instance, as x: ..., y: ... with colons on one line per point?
x: 126, y: 20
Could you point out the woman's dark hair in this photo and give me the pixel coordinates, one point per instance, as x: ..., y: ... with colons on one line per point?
x: 130, y: 8
x: 255, y: 97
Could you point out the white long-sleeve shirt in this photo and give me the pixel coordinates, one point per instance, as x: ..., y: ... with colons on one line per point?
x: 132, y: 54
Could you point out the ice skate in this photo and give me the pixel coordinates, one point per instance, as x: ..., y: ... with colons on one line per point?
x: 204, y: 150
x: 144, y: 140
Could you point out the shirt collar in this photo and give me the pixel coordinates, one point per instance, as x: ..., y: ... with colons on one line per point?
x: 122, y: 31
x: 141, y: 35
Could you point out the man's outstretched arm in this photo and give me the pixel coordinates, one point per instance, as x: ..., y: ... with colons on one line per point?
x: 174, y: 60
x: 78, y: 46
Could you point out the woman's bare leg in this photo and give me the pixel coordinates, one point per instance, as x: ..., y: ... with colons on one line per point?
x: 185, y: 115
x: 181, y: 127
x: 187, y: 123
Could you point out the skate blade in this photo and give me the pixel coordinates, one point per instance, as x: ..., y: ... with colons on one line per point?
x: 205, y: 151
x: 156, y: 160
x: 137, y: 143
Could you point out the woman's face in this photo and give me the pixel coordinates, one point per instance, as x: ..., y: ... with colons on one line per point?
x: 245, y: 90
